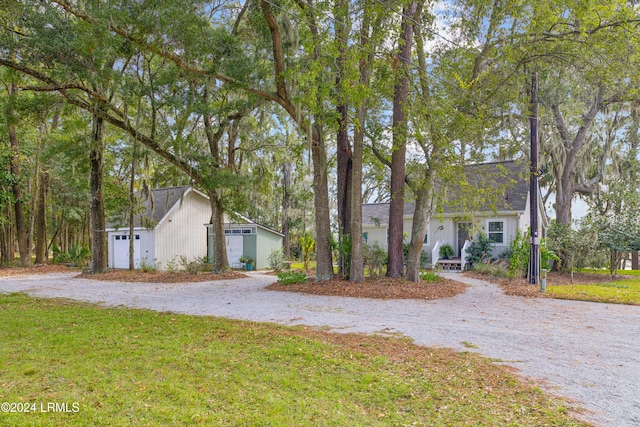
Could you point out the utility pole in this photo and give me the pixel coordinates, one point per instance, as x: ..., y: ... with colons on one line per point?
x: 534, y: 258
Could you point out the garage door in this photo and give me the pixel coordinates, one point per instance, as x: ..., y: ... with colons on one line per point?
x: 120, y: 245
x: 234, y: 250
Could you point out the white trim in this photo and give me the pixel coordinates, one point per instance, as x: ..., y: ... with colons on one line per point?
x: 503, y: 231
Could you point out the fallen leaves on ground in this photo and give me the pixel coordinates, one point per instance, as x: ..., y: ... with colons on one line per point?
x: 161, y: 276
x: 522, y: 288
x: 136, y: 276
x: 380, y: 288
x: 36, y: 269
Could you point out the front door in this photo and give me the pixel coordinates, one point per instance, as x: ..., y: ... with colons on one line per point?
x: 464, y: 234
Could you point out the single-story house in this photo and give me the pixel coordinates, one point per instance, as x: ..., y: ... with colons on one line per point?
x: 501, y: 192
x: 169, y: 225
x: 246, y: 238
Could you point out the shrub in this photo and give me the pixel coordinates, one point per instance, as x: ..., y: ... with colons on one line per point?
x: 79, y: 255
x: 374, y: 259
x: 291, y: 277
x: 146, y: 266
x: 276, y: 260
x: 59, y: 255
x: 520, y: 250
x: 193, y: 266
x: 480, y: 249
x: 547, y: 256
x: 446, y: 251
x: 172, y: 265
x: 430, y: 276
x: 308, y: 245
x: 493, y: 270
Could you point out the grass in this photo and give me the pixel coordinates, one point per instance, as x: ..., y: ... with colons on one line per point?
x: 607, y: 272
x: 618, y: 292
x: 125, y: 367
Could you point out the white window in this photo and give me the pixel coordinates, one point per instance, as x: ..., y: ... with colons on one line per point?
x: 249, y: 230
x: 496, y: 231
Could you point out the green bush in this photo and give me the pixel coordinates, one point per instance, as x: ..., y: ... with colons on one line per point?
x: 194, y: 266
x: 374, y: 259
x: 59, y: 255
x: 480, y: 249
x: 291, y: 277
x: 276, y: 260
x: 172, y: 265
x: 446, y: 251
x: 147, y: 267
x: 430, y: 276
x: 519, y: 255
x: 490, y: 269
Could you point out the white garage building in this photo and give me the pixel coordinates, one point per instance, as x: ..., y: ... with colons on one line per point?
x: 169, y: 225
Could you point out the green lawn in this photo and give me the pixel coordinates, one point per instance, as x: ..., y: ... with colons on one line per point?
x: 606, y: 271
x: 619, y: 292
x: 123, y: 367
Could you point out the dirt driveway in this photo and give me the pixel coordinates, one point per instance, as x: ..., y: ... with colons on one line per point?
x: 587, y: 352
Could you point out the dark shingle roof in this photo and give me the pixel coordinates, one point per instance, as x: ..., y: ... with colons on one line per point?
x: 498, y: 186
x: 153, y: 208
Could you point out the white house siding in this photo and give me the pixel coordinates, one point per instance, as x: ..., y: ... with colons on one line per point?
x: 181, y: 232
x: 445, y: 229
x: 376, y: 234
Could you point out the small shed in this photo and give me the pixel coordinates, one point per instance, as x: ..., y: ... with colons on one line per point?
x: 168, y: 226
x: 247, y: 238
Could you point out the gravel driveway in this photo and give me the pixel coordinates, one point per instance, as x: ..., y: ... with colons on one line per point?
x: 588, y: 352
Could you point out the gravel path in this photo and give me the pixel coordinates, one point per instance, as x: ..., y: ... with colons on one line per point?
x: 587, y: 352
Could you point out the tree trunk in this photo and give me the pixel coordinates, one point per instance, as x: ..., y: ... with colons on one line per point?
x: 324, y: 259
x: 357, y: 243
x: 18, y: 205
x: 357, y: 255
x: 132, y: 206
x: 220, y: 261
x: 6, y: 239
x: 344, y: 160
x: 398, y: 156
x: 421, y: 219
x: 565, y: 165
x: 41, y: 219
x: 344, y: 177
x: 96, y: 204
x: 286, y: 203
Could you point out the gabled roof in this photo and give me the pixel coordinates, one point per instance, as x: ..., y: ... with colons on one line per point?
x: 506, y: 185
x: 155, y: 207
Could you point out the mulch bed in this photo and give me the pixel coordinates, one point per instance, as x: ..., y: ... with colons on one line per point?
x: 380, y: 288
x: 161, y: 276
x: 522, y: 288
x: 123, y: 275
x: 36, y: 269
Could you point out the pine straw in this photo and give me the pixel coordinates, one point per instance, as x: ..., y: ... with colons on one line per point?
x: 136, y: 276
x: 521, y: 287
x: 161, y: 276
x: 380, y: 288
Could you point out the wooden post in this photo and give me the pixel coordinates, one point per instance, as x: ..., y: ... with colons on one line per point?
x: 534, y: 259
